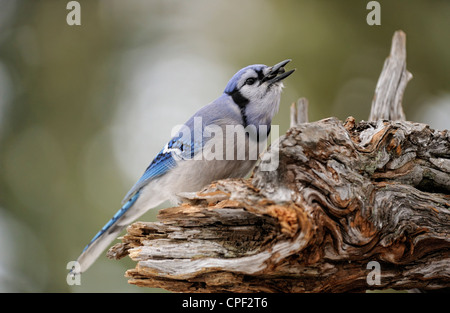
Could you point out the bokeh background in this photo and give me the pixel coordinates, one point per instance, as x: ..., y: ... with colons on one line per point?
x: 84, y: 109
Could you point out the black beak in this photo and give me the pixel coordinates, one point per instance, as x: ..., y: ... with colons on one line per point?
x: 277, y: 72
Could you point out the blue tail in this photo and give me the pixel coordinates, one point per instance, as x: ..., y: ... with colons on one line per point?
x: 114, y: 219
x: 104, y: 237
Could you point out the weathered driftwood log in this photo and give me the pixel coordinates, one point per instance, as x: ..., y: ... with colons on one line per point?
x: 345, y: 197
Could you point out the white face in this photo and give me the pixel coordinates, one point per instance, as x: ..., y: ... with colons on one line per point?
x: 251, y: 88
x: 263, y: 97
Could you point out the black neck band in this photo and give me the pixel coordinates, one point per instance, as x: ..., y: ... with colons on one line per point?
x: 241, y: 101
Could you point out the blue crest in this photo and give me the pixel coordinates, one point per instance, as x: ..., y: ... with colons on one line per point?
x: 234, y: 80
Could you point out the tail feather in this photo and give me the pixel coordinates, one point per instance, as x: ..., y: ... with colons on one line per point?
x: 106, y: 235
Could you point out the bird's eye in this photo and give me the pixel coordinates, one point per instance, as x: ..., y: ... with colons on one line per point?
x: 250, y: 81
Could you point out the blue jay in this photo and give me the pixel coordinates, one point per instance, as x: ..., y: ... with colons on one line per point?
x: 251, y: 98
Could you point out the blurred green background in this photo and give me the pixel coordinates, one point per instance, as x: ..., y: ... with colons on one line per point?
x: 84, y: 109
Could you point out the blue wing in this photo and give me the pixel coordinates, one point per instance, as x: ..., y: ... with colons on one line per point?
x: 175, y: 150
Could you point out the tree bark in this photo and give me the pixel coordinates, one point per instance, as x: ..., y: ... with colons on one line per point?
x: 351, y: 206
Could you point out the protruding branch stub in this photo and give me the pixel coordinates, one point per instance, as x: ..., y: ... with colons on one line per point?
x: 387, y: 101
x: 299, y: 112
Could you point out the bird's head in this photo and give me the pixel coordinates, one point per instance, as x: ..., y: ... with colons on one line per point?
x: 256, y: 90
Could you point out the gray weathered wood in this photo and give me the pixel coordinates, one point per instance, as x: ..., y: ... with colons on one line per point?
x: 387, y: 101
x: 299, y: 112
